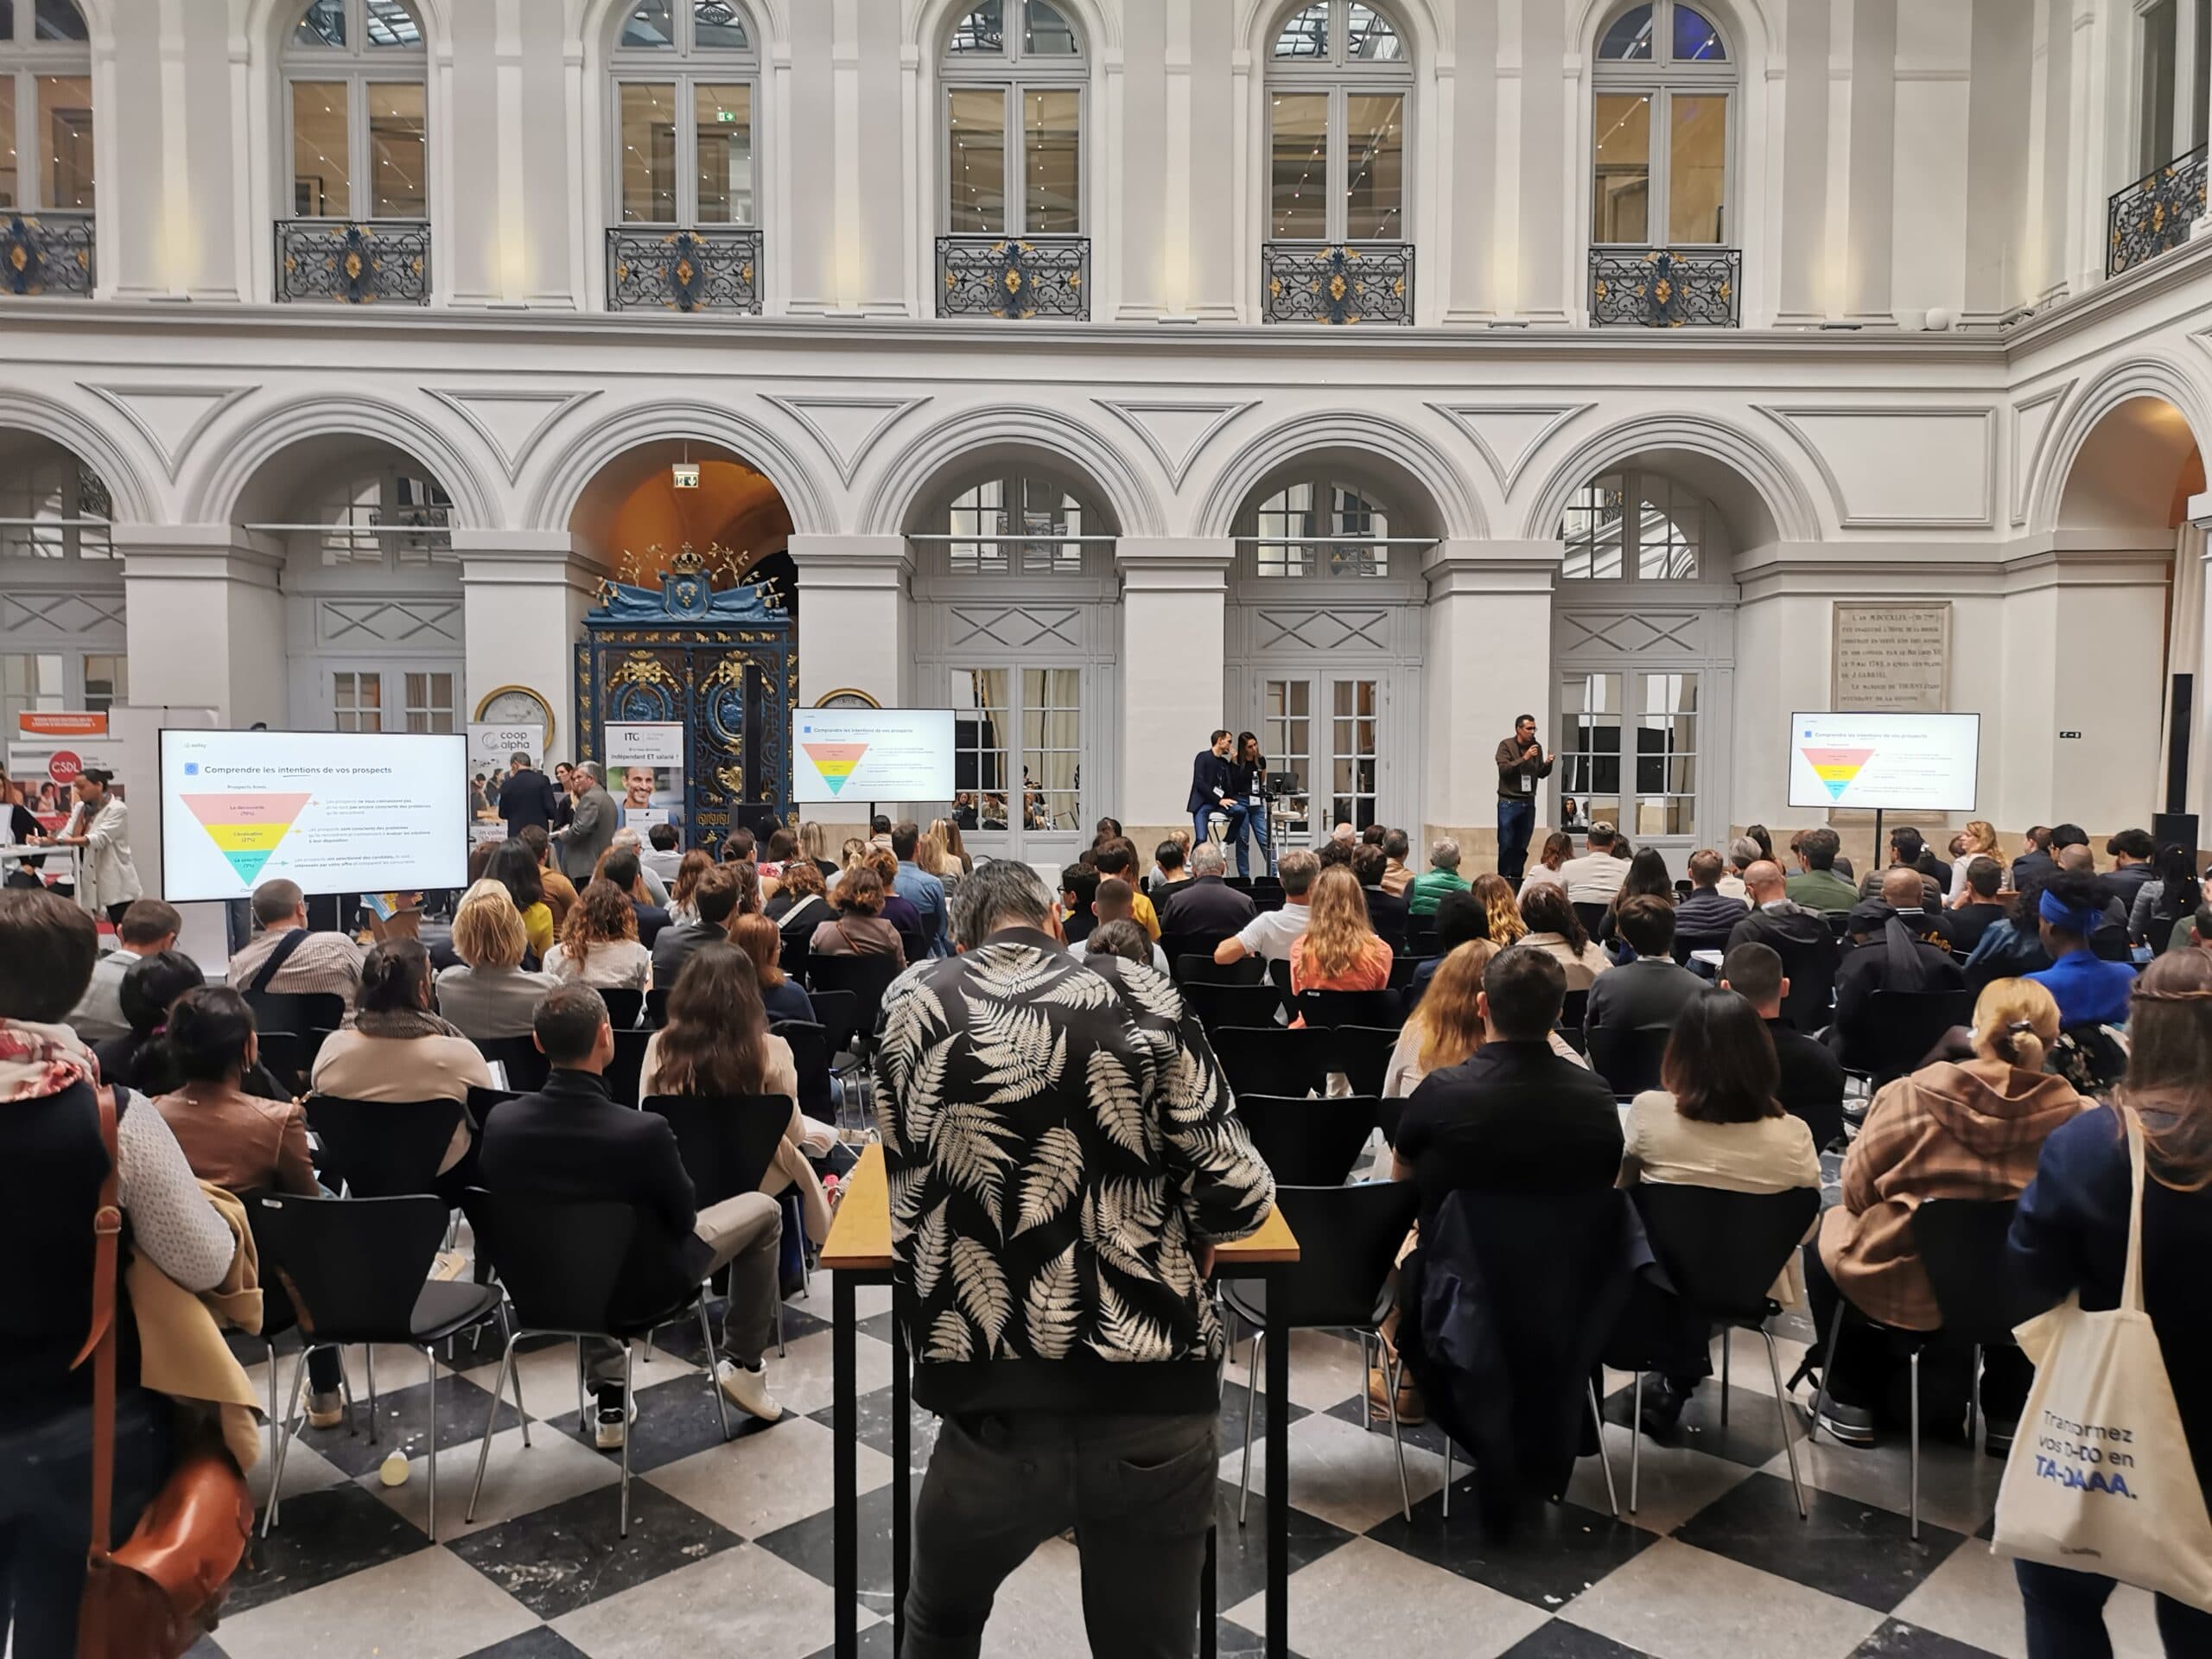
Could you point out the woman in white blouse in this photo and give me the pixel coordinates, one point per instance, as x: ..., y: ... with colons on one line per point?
x: 108, y: 879
x: 598, y: 942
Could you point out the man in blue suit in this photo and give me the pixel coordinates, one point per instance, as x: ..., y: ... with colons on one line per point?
x: 1213, y: 789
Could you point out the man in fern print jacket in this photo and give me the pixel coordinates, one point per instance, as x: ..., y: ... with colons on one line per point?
x: 1063, y: 1157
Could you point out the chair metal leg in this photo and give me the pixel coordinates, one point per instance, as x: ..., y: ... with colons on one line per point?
x: 1367, y: 1366
x: 1634, y: 1442
x: 782, y: 1352
x: 1782, y: 1411
x: 1974, y: 1400
x: 508, y: 1333
x: 1397, y: 1446
x: 715, y: 1382
x: 582, y: 1417
x: 369, y: 1363
x: 283, y: 1444
x: 431, y: 1450
x: 1727, y: 1352
x: 1447, y: 1477
x: 1605, y: 1458
x: 271, y: 1348
x: 1827, y: 1367
x: 1251, y: 1407
x: 492, y: 1417
x: 1914, y: 1509
x: 627, y: 1350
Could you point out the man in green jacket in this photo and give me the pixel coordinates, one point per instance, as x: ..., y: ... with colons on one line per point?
x: 1817, y: 887
x: 1442, y: 876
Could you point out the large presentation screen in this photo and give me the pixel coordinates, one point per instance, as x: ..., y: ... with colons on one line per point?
x: 871, y: 754
x: 1900, y: 763
x: 335, y: 812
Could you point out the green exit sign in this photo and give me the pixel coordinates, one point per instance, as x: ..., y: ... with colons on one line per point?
x: 725, y: 115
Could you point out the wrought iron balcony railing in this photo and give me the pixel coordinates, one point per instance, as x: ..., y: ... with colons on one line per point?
x: 715, y: 268
x: 1346, y: 282
x: 2154, y: 213
x: 338, y: 261
x: 1013, y: 276
x: 46, y: 253
x: 1665, y: 288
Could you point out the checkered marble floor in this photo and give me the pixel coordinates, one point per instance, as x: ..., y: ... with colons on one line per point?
x: 730, y: 1544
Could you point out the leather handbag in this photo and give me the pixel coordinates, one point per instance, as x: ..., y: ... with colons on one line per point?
x: 161, y: 1591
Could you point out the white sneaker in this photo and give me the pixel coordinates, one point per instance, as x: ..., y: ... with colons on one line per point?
x: 748, y: 1389
x: 613, y: 1426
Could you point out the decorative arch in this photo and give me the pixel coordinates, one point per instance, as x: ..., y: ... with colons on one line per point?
x: 1259, y: 21
x: 596, y: 25
x: 928, y: 22
x: 1127, y: 495
x: 1750, y: 33
x: 123, y: 470
x: 2132, y: 378
x: 266, y: 19
x: 1458, y: 510
x: 562, y: 483
x: 258, y: 434
x: 1783, y: 493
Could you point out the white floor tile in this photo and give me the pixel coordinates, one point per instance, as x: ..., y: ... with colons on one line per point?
x: 1341, y: 1473
x: 803, y: 1381
x: 431, y: 1604
x: 518, y: 1479
x: 1673, y: 1484
x: 1674, y: 1602
x: 736, y: 1600
x: 1366, y: 1598
x: 762, y: 1482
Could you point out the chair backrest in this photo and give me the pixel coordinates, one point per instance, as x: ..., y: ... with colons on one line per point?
x: 1364, y: 1055
x: 285, y: 1054
x: 624, y: 1004
x: 1279, y: 976
x: 1627, y: 1057
x: 1963, y: 1245
x: 383, y: 1148
x: 560, y: 1259
x: 625, y: 1070
x: 352, y: 1267
x: 1907, y: 1023
x: 524, y: 1062
x: 1231, y: 1005
x: 1721, y: 1249
x: 810, y: 1060
x: 1404, y: 965
x: 300, y: 1012
x: 1191, y: 968
x: 865, y: 977
x: 1327, y: 1008
x: 796, y: 952
x: 1574, y: 1010
x: 1420, y: 934
x: 1592, y: 916
x: 727, y: 1141
x: 1348, y: 1239
x: 1273, y: 1060
x: 1838, y: 923
x: 1387, y: 1110
x: 482, y: 1103
x: 657, y: 1007
x: 838, y: 1013
x: 1810, y: 969
x: 1308, y: 1140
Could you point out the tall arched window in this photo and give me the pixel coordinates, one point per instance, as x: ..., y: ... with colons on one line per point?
x: 1013, y: 75
x: 45, y: 147
x: 1315, y: 525
x: 686, y: 203
x: 1339, y: 80
x: 1662, y: 157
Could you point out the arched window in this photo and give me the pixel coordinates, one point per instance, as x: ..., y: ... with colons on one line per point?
x: 1017, y: 523
x: 1639, y: 526
x: 1660, y: 152
x: 1339, y: 77
x: 355, y: 111
x: 1316, y: 526
x: 46, y: 108
x: 686, y: 75
x: 1013, y: 122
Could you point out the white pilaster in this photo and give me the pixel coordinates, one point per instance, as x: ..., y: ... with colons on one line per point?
x: 1174, y: 598
x: 523, y: 594
x: 1488, y: 658
x: 205, y: 620
x: 855, y: 616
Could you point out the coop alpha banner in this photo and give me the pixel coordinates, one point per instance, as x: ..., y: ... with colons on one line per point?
x: 844, y: 755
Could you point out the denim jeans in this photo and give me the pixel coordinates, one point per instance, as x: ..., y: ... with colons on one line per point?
x: 1254, y: 830
x: 1516, y: 822
x: 45, y: 1495
x: 1232, y: 836
x: 2066, y: 1616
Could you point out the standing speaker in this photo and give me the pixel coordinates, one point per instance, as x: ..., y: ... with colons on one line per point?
x: 2177, y: 733
x: 2175, y: 826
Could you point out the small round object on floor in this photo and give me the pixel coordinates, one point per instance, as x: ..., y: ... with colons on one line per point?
x: 393, y: 1471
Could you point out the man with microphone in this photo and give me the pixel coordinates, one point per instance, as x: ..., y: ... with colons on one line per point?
x: 1213, y: 789
x: 1520, y: 761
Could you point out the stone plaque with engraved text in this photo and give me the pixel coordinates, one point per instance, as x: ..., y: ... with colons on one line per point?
x: 1891, y: 658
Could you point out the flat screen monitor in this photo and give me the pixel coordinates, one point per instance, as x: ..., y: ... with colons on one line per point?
x: 848, y: 756
x: 1898, y: 763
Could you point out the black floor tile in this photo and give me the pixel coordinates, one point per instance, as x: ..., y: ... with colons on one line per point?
x: 682, y: 1339
x: 874, y: 1417
x: 875, y: 1644
x: 1752, y: 1435
x: 403, y: 1421
x: 319, y: 1537
x: 1854, y: 1550
x: 1241, y: 1553
x: 1561, y: 1640
x: 810, y: 1546
x: 1232, y: 1416
x: 569, y: 1556
x: 1898, y: 1640
x: 1426, y: 1435
x: 543, y: 1642
x: 676, y: 1418
x: 1558, y: 1551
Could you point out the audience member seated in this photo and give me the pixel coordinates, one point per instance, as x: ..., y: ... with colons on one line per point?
x: 1501, y: 920
x: 1270, y: 934
x: 1114, y: 903
x: 2108, y: 933
x: 1799, y: 936
x: 1386, y: 911
x: 1078, y: 898
x: 620, y: 868
x: 717, y: 1042
x: 1555, y: 929
x: 1338, y: 951
x: 148, y: 928
x: 2069, y: 1237
x: 572, y: 1141
x: 1716, y: 1121
x: 151, y: 988
x: 858, y: 928
x: 1977, y: 840
x: 1704, y: 920
x: 52, y: 1165
x: 1558, y: 850
x: 1426, y: 891
x: 1117, y: 860
x: 2011, y: 946
x: 489, y: 994
x: 1895, y: 948
x: 1647, y: 878
x: 1446, y: 1026
x: 397, y: 1048
x: 695, y: 864
x: 784, y: 997
x: 1171, y: 871
x: 2089, y: 990
x: 1908, y: 851
x: 663, y: 856
x: 598, y: 942
x: 1595, y: 877
x: 2160, y: 915
x: 1817, y: 885
x: 2132, y: 852
x: 1460, y: 919
x: 910, y: 882
x: 560, y: 892
x: 1651, y: 987
x: 713, y: 901
x: 283, y: 956
x: 1203, y: 910
x: 914, y: 940
x: 515, y: 868
x: 1951, y: 1130
x: 1397, y: 877
x: 2041, y: 859
x: 1976, y: 908
x: 800, y: 904
x: 1811, y: 1080
x: 650, y: 889
x: 1124, y: 939
x: 1743, y: 853
x: 935, y: 855
x: 231, y: 1138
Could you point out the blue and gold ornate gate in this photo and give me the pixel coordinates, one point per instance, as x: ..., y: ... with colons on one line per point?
x: 723, y: 665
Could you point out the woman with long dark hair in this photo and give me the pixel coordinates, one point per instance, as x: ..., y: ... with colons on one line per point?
x: 2166, y: 901
x: 514, y: 867
x: 1554, y: 928
x: 1248, y: 771
x: 1647, y: 878
x: 598, y: 942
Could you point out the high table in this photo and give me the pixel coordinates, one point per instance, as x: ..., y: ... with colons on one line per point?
x: 858, y: 1252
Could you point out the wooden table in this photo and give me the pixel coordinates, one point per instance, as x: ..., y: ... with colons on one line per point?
x: 858, y: 1252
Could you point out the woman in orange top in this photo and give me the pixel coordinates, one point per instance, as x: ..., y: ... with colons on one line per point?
x: 1338, y: 951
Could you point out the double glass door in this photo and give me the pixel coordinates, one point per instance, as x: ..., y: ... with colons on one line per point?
x: 1017, y: 773
x: 1628, y: 754
x: 1323, y: 732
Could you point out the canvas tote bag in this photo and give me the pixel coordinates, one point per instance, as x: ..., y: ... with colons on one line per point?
x: 2100, y: 1478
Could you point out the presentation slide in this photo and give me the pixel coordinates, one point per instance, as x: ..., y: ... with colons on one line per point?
x: 1900, y: 763
x: 335, y: 812
x: 871, y: 754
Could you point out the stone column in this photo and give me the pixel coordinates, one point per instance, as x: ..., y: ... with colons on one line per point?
x: 523, y: 594
x: 204, y: 619
x: 1488, y: 658
x: 856, y: 617
x: 1174, y: 595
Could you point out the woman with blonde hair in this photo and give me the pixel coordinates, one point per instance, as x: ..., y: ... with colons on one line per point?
x: 1338, y: 951
x: 1966, y: 1130
x: 947, y: 830
x: 488, y: 994
x: 696, y: 863
x: 1501, y: 911
x: 1977, y: 840
x: 598, y: 942
x: 933, y: 855
x: 1445, y: 1028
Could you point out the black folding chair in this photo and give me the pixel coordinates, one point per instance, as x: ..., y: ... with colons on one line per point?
x: 838, y: 1013
x: 1629, y: 1057
x: 357, y: 1271
x: 1279, y: 976
x: 867, y: 977
x: 1274, y: 1060
x: 727, y: 1143
x: 1349, y: 1238
x: 626, y: 1071
x: 795, y: 952
x: 1905, y: 1025
x: 286, y: 1055
x: 310, y: 1015
x: 1331, y: 1009
x: 1192, y: 968
x: 382, y: 1148
x: 1306, y: 1140
x: 1363, y: 1056
x: 1572, y: 1011
x: 623, y: 1006
x: 520, y: 1058
x: 1723, y: 1251
x: 561, y: 1261
x: 657, y: 1007
x: 1403, y: 965
x: 810, y: 1058
x: 1219, y: 1005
